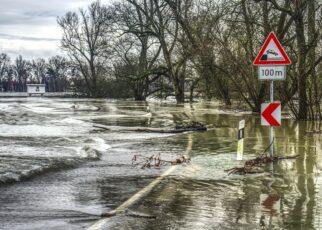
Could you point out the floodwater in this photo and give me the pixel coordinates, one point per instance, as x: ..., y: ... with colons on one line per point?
x: 59, y: 170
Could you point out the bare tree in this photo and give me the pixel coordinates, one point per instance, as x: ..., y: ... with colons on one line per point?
x: 57, y: 72
x: 163, y: 26
x: 199, y: 21
x: 315, y: 83
x: 305, y: 50
x: 21, y: 70
x: 39, y: 71
x: 85, y: 39
x: 4, y: 68
x: 137, y: 50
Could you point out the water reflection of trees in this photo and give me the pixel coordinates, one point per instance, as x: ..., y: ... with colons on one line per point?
x: 300, y: 206
x: 295, y: 181
x: 234, y: 202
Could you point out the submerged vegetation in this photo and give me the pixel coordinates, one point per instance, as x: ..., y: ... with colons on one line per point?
x: 254, y: 165
x: 185, y: 49
x: 156, y: 161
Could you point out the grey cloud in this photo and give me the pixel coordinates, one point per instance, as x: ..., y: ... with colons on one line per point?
x: 9, y: 36
x: 28, y: 18
x: 29, y: 55
x: 35, y: 12
x: 25, y: 25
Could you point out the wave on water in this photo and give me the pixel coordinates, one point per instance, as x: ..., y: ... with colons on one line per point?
x: 15, y: 168
x: 19, y: 168
x: 94, y: 148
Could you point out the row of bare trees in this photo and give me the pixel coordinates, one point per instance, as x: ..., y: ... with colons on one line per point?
x: 200, y: 47
x: 203, y: 47
x: 14, y: 76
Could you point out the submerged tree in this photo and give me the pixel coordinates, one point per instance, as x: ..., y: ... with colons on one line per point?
x: 199, y: 21
x: 302, y: 12
x: 161, y: 25
x: 137, y: 50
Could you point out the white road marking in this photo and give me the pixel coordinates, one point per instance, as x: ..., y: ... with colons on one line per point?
x: 100, y: 223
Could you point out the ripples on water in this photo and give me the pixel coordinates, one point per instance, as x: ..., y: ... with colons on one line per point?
x: 64, y: 173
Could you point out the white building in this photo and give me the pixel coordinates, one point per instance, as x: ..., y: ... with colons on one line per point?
x: 36, y: 89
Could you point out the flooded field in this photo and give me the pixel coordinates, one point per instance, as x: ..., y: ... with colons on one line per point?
x: 60, y: 170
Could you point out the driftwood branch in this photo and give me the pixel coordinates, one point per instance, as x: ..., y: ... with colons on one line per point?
x: 193, y: 126
x: 155, y: 161
x: 253, y: 165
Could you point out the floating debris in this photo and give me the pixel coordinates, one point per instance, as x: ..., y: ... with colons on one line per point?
x: 139, y: 214
x: 156, y: 161
x: 192, y: 126
x: 254, y: 165
x: 177, y: 129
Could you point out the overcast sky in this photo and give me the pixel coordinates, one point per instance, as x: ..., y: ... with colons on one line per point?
x: 29, y: 27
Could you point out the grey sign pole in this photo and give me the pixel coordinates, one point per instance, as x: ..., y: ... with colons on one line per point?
x: 271, y: 60
x: 271, y: 128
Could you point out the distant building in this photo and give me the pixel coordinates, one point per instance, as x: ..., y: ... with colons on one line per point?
x: 36, y: 89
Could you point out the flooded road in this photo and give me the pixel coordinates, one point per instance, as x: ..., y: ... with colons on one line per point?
x: 59, y: 170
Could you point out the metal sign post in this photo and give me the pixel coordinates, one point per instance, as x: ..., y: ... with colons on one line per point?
x: 271, y: 128
x: 271, y: 60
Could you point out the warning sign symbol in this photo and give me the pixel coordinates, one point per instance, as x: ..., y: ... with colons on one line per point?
x: 272, y: 53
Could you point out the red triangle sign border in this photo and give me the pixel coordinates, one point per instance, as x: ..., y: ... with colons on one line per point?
x: 286, y: 60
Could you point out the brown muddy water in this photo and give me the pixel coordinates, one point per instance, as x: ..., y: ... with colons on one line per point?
x: 57, y: 171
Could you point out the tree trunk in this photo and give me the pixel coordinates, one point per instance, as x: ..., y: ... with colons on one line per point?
x: 314, y: 88
x: 180, y: 96
x: 141, y: 87
x: 301, y: 68
x: 139, y: 94
x: 179, y: 88
x: 265, y: 12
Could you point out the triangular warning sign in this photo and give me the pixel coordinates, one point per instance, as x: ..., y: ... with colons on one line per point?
x: 272, y: 53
